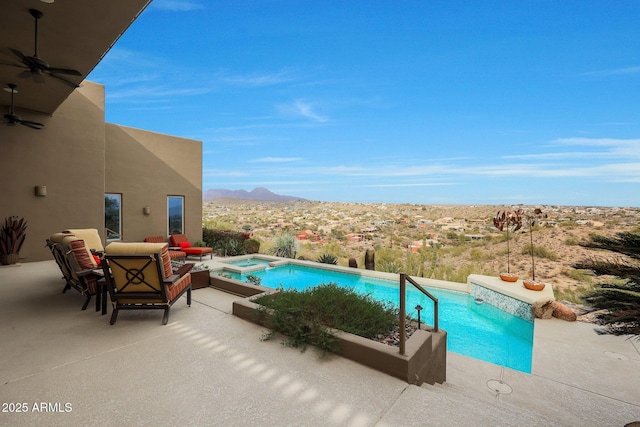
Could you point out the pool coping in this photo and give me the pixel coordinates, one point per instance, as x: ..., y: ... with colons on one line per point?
x: 515, y: 290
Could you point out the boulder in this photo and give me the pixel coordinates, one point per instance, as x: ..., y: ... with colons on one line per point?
x: 563, y: 312
x: 542, y: 309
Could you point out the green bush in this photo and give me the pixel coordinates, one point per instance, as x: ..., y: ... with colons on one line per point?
x: 539, y: 252
x: 251, y: 246
x: 225, y: 242
x: 305, y: 316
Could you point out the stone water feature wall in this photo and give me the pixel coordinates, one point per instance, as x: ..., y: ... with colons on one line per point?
x: 503, y: 302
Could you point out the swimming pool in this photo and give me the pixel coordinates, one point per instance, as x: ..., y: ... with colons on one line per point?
x: 481, y: 331
x: 249, y: 262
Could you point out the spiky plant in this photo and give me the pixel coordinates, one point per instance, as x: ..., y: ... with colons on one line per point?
x: 285, y: 246
x: 620, y: 298
x: 12, y: 235
x: 327, y: 259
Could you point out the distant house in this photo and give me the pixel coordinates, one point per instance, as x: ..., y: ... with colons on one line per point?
x: 355, y: 237
x: 415, y: 246
x: 424, y: 222
x: 308, y: 235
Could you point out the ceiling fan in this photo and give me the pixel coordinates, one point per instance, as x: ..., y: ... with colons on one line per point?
x: 12, y: 118
x: 38, y: 66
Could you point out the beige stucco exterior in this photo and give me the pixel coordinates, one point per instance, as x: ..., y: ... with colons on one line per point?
x: 79, y: 158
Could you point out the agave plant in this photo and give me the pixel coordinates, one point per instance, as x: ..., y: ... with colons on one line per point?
x: 505, y: 220
x: 327, y: 259
x: 12, y: 235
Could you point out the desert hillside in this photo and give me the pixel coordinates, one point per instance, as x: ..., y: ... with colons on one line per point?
x: 450, y: 241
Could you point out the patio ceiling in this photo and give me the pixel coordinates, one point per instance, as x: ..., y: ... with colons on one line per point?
x: 72, y: 34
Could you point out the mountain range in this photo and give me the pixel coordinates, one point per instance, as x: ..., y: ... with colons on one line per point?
x: 258, y: 193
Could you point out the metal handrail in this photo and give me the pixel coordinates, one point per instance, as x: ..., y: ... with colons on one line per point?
x: 403, y: 287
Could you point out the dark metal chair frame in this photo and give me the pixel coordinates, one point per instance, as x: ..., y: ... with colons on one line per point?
x: 155, y: 298
x: 75, y: 277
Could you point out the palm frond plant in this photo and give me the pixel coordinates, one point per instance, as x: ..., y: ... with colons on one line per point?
x: 503, y: 221
x: 619, y: 298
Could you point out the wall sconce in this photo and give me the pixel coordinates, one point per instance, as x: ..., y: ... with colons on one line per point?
x: 146, y: 210
x: 40, y: 190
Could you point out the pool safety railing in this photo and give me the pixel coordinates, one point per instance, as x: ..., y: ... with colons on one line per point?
x: 404, y: 278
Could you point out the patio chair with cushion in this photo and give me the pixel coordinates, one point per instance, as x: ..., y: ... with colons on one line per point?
x: 139, y: 277
x: 91, y: 238
x: 78, y: 267
x: 173, y: 254
x: 181, y: 241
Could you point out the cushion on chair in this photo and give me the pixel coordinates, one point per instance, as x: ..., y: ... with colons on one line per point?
x: 184, y: 245
x: 67, y: 239
x: 90, y: 236
x: 122, y: 248
x: 197, y: 251
x: 85, y: 262
x: 154, y: 239
x: 174, y: 290
x: 57, y: 237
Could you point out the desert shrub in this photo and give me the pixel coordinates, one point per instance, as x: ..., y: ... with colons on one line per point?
x: 571, y: 241
x: 579, y: 275
x: 251, y: 246
x: 390, y: 266
x: 327, y: 259
x: 305, y: 316
x: 285, y: 245
x: 540, y: 252
x: 225, y: 242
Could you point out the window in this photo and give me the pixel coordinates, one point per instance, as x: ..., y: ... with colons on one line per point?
x: 113, y: 216
x: 176, y: 214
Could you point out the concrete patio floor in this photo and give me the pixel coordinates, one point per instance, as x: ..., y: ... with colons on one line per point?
x: 207, y: 367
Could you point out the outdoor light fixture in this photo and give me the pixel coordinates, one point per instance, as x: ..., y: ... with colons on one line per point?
x: 146, y: 210
x: 40, y: 190
x: 418, y: 307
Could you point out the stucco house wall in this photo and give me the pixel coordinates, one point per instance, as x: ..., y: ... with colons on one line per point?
x: 146, y: 168
x: 74, y: 154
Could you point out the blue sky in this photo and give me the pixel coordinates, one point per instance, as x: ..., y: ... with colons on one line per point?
x: 430, y: 102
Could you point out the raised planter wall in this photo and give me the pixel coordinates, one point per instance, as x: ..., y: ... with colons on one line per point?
x: 425, y: 359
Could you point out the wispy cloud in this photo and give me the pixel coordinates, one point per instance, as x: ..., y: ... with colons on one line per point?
x: 258, y: 80
x: 614, y: 72
x: 302, y: 109
x: 275, y: 160
x: 176, y: 5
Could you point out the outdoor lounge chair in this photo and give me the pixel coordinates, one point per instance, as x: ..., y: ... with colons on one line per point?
x: 181, y: 241
x: 91, y: 238
x: 78, y: 267
x: 173, y: 254
x: 139, y: 277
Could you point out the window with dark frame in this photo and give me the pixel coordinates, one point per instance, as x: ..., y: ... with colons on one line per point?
x: 175, y: 210
x: 113, y: 216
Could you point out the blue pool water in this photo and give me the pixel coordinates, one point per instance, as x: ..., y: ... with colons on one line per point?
x: 248, y: 262
x: 476, y: 330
